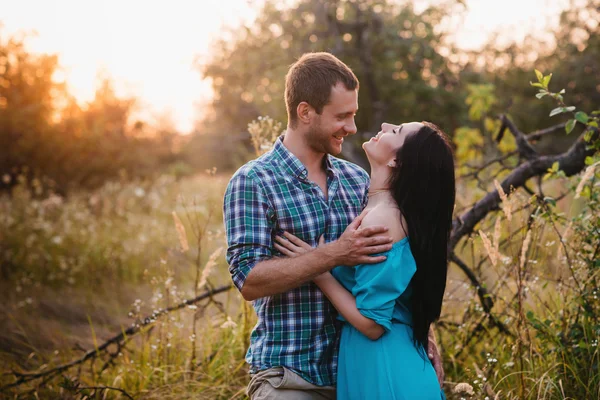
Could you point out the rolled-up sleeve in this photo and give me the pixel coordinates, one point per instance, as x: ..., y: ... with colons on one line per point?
x: 248, y: 225
x: 378, y: 286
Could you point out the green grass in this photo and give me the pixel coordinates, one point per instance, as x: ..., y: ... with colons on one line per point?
x: 77, y: 271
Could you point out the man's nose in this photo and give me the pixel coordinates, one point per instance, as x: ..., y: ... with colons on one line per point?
x: 350, y: 128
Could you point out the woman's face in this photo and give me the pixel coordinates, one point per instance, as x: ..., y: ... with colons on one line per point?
x: 382, y: 148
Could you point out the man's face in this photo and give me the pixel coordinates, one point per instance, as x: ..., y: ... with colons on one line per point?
x: 327, y: 131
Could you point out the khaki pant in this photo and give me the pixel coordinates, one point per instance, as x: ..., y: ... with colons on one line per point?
x: 281, y: 383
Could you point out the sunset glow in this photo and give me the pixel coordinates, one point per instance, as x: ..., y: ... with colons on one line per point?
x: 148, y: 47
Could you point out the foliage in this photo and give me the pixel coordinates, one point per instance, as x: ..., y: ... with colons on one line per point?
x: 264, y: 131
x: 395, y: 52
x: 537, y: 255
x: 407, y: 68
x: 541, y: 263
x: 570, y: 50
x: 475, y: 141
x: 45, y: 134
x: 119, y: 231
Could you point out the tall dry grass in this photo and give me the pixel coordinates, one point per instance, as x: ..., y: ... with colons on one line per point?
x: 78, y: 270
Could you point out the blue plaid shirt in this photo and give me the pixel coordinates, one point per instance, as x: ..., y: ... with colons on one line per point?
x: 296, y: 329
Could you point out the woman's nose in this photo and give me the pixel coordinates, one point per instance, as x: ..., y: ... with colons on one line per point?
x: 387, y: 127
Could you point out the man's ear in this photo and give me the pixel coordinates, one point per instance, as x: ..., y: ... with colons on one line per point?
x: 305, y: 112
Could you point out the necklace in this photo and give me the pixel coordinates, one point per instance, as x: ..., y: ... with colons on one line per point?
x: 376, y: 191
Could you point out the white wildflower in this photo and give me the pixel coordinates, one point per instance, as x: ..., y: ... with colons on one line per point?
x: 210, y: 264
x: 488, y: 246
x: 589, y: 172
x: 506, y: 206
x: 181, y: 233
x: 525, y: 248
x: 228, y: 324
x: 463, y: 388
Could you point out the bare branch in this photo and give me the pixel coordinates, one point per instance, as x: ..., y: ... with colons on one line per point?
x: 486, y: 301
x: 571, y: 162
x: 525, y: 149
x: 477, y: 169
x: 118, y: 339
x: 535, y: 136
x: 105, y: 388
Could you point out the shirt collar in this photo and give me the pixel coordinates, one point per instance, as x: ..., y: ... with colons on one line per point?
x: 293, y: 165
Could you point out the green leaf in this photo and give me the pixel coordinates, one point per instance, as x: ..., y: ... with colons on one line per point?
x: 539, y: 75
x: 537, y: 85
x: 588, y: 135
x: 570, y: 125
x: 554, y: 166
x: 530, y: 316
x: 586, y: 192
x: 589, y: 160
x: 593, y: 123
x: 550, y: 200
x: 546, y: 80
x: 541, y: 94
x: 560, y: 110
x: 581, y: 117
x: 597, y: 112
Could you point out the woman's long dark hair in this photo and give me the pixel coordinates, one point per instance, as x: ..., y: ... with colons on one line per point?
x: 423, y: 186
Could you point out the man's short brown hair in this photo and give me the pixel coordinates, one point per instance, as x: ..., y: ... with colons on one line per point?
x: 311, y: 78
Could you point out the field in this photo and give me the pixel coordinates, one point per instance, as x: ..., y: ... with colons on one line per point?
x: 79, y: 271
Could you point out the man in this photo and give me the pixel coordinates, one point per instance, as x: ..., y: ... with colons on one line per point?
x: 300, y: 187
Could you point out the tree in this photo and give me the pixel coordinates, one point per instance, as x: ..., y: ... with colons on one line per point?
x: 26, y: 103
x: 395, y: 52
x: 45, y: 134
x: 571, y: 53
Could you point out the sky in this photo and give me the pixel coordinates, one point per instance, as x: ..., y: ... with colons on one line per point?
x: 149, y: 47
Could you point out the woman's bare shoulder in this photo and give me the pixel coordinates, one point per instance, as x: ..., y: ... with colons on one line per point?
x: 385, y: 216
x: 377, y: 216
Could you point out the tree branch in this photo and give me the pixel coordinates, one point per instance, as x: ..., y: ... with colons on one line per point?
x: 118, y: 339
x: 80, y: 388
x: 571, y: 162
x: 486, y: 300
x: 525, y: 149
x: 534, y: 136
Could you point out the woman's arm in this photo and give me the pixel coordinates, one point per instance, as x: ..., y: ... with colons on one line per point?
x: 341, y: 299
x: 345, y: 303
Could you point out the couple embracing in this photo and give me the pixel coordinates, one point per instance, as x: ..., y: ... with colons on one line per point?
x: 346, y: 271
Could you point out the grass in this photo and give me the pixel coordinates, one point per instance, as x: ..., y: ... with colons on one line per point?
x: 77, y: 271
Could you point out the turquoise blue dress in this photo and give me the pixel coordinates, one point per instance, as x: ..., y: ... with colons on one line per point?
x: 390, y: 367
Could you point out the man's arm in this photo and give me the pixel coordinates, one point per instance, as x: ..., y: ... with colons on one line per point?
x: 249, y: 223
x: 278, y: 275
x: 355, y: 246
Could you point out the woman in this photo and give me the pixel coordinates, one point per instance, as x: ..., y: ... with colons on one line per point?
x: 388, y: 307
